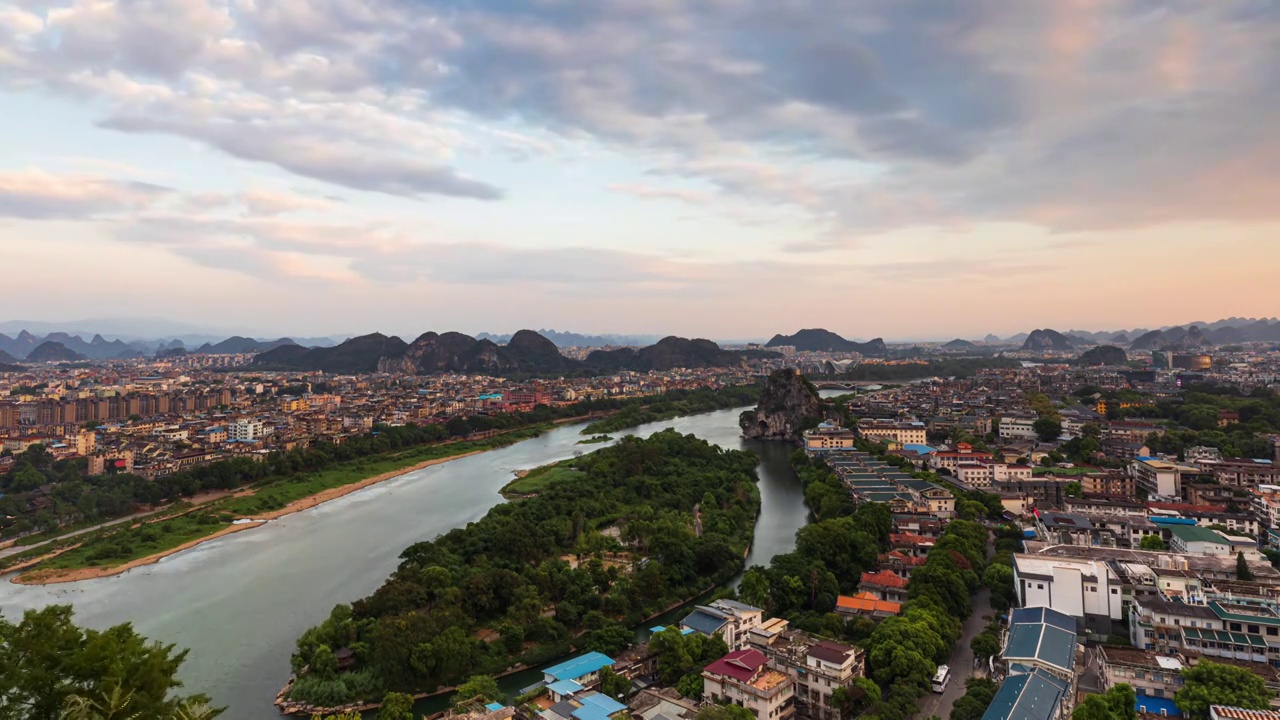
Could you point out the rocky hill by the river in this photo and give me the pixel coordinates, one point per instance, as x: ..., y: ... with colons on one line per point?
x: 1104, y: 355
x: 789, y: 405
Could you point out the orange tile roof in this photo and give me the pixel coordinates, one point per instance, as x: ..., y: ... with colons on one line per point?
x: 867, y: 602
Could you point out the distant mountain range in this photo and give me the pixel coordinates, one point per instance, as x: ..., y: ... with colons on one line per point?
x: 52, y: 351
x: 820, y: 340
x: 526, y: 353
x: 572, y: 339
x: 20, y: 346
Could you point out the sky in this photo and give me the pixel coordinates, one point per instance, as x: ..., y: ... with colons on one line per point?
x: 715, y: 168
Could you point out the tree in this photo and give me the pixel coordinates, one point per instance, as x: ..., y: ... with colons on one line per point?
x: 481, y: 687
x: 396, y: 706
x: 859, y: 695
x: 725, y: 712
x: 1210, y: 683
x: 50, y: 667
x: 1118, y: 703
x: 612, y: 638
x: 614, y: 685
x: 985, y: 645
x: 690, y: 686
x: 1047, y: 429
x: 1151, y: 542
x: 1073, y: 490
x: 1242, y: 568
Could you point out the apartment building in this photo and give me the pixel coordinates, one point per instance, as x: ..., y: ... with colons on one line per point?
x: 1244, y: 473
x: 1014, y: 427
x: 1159, y: 477
x: 1154, y: 677
x: 984, y: 475
x: 817, y: 667
x: 744, y: 678
x: 964, y: 453
x: 904, y: 433
x: 1085, y: 589
x: 246, y: 430
x: 828, y: 436
x: 729, y: 619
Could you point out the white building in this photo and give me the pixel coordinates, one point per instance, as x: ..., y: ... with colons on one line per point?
x: 982, y: 475
x: 1017, y: 428
x: 1087, y: 590
x: 1157, y: 477
x: 246, y: 430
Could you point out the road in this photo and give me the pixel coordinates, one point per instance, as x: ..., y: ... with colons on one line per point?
x: 961, y: 663
x: 961, y: 660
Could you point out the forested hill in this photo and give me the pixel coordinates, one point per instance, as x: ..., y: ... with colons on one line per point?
x: 500, y: 591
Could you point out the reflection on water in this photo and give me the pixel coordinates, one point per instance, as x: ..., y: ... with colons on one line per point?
x: 240, y: 601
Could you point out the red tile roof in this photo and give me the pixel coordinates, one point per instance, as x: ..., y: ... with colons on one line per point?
x: 884, y: 578
x: 741, y: 665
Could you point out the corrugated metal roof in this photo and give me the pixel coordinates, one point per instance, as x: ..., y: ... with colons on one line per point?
x: 1034, y: 696
x: 579, y: 666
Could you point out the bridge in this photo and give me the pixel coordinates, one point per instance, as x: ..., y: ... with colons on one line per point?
x: 844, y: 384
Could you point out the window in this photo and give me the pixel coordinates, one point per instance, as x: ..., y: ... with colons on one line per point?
x: 1235, y: 627
x: 1113, y: 591
x: 1253, y: 630
x: 1177, y: 621
x: 1273, y: 631
x: 1039, y: 586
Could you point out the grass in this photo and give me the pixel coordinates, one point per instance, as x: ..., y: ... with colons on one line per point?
x: 139, y: 542
x: 539, y: 479
x: 594, y: 440
x: 115, y: 546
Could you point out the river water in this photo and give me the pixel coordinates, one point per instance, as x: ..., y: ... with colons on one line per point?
x: 240, y: 602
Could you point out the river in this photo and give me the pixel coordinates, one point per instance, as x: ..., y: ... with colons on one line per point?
x: 240, y: 602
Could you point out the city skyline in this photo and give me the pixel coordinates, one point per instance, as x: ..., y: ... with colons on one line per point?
x: 723, y: 169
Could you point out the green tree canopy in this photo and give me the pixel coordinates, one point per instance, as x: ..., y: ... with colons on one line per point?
x: 396, y: 706
x: 1242, y: 568
x: 725, y: 712
x: 1047, y: 429
x: 1151, y: 542
x: 49, y: 666
x: 1211, y: 683
x: 482, y: 687
x: 1118, y: 703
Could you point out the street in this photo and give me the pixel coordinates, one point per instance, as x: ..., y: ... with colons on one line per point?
x: 961, y: 660
x: 961, y: 663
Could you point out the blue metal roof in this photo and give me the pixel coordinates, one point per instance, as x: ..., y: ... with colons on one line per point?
x: 494, y: 707
x: 1162, y: 520
x: 1034, y: 696
x: 1041, y: 614
x: 1042, y: 643
x: 1156, y: 706
x: 564, y: 687
x: 579, y: 666
x: 604, y: 702
x: 916, y: 447
x: 590, y: 712
x: 703, y: 622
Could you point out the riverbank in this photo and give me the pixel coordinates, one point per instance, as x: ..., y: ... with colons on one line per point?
x: 53, y: 576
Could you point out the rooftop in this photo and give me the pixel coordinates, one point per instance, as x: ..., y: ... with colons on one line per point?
x: 1033, y: 696
x: 579, y: 666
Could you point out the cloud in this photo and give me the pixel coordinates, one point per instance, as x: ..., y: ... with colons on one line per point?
x: 651, y: 192
x: 34, y: 194
x: 865, y: 117
x: 274, y: 202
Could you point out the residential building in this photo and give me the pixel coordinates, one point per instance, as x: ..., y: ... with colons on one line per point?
x: 866, y: 604
x: 1040, y: 638
x: 1087, y: 590
x: 885, y: 585
x: 1158, y: 477
x: 1154, y: 677
x: 1203, y: 541
x: 828, y: 436
x: 817, y: 667
x: 1244, y: 473
x: 246, y: 430
x: 1036, y: 695
x: 903, y: 433
x: 729, y: 619
x: 583, y: 670
x: 744, y: 678
x: 1017, y: 428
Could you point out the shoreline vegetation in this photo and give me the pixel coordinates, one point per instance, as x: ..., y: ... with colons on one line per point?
x: 595, y: 440
x: 575, y: 565
x: 240, y: 489
x: 152, y: 540
x: 528, y: 483
x: 677, y: 403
